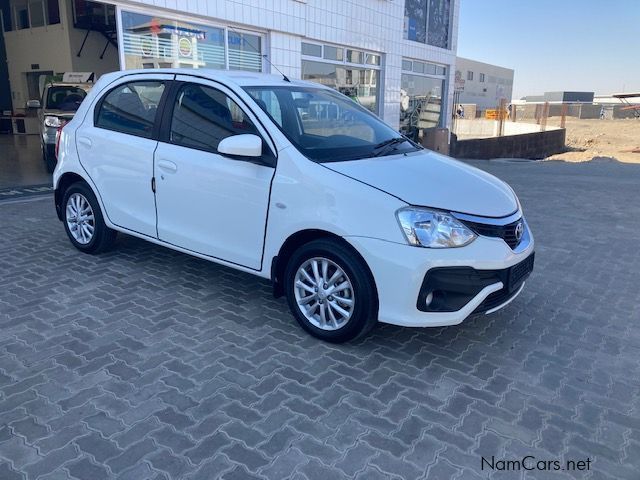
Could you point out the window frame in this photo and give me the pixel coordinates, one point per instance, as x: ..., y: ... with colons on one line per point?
x: 440, y: 69
x: 406, y: 62
x: 269, y: 156
x: 227, y: 27
x: 155, y: 129
x: 427, y: 15
x: 345, y: 63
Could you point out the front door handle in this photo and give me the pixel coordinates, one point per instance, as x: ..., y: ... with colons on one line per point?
x: 85, y: 141
x: 168, y: 166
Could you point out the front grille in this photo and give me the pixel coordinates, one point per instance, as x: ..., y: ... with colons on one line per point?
x: 512, y: 279
x: 495, y: 299
x: 505, y: 232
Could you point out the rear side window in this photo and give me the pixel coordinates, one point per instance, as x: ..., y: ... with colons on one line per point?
x: 131, y: 108
x: 203, y: 116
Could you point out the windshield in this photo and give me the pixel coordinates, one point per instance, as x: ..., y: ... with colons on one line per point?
x: 65, y: 98
x: 326, y: 126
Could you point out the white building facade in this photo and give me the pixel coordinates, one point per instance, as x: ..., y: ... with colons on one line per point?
x: 395, y: 57
x: 482, y: 84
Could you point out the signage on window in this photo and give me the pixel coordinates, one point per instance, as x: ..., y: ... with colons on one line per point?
x: 185, y: 47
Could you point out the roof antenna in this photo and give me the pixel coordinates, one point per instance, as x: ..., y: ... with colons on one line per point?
x: 265, y: 56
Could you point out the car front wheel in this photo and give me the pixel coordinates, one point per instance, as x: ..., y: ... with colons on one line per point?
x: 49, y: 157
x: 330, y: 291
x: 83, y: 220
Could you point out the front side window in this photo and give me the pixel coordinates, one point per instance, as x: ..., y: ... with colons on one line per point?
x: 328, y: 127
x: 131, y: 108
x: 204, y: 116
x: 268, y: 101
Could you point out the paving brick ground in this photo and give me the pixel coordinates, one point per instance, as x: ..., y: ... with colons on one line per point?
x: 148, y: 364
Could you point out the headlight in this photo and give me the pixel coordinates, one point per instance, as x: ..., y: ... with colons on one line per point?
x: 52, y: 122
x: 433, y: 229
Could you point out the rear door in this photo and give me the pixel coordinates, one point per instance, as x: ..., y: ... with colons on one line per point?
x: 116, y: 146
x: 207, y: 202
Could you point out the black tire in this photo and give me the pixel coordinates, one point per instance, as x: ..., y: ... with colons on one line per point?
x: 365, y: 310
x: 49, y: 158
x: 103, y: 237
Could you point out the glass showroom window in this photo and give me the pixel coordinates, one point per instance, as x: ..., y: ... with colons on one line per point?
x: 421, y: 96
x: 244, y: 51
x: 21, y: 14
x: 156, y: 42
x: 354, y: 73
x: 428, y: 21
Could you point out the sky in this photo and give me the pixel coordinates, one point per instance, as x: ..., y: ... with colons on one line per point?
x: 553, y: 45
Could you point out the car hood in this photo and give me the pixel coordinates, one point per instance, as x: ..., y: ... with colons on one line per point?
x: 429, y: 179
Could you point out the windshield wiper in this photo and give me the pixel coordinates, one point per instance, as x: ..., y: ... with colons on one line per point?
x: 388, y: 145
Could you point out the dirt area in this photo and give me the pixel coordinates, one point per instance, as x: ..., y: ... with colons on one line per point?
x: 587, y: 139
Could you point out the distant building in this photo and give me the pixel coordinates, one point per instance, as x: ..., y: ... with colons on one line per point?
x: 482, y: 84
x: 561, y: 97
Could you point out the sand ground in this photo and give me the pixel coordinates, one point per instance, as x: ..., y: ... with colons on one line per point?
x: 588, y: 139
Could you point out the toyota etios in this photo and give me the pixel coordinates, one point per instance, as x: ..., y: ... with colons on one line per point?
x: 294, y: 182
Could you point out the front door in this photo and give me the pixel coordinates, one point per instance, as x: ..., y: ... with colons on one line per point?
x: 116, y: 148
x: 206, y: 202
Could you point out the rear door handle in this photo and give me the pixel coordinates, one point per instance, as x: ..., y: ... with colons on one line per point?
x: 85, y: 141
x: 168, y: 166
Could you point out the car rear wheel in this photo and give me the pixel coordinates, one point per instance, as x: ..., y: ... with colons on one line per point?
x: 330, y: 291
x: 83, y: 220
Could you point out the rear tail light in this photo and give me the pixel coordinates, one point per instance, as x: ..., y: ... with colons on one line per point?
x: 58, y: 135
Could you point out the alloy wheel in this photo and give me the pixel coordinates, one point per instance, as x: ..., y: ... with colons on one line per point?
x: 80, y: 218
x: 324, y: 293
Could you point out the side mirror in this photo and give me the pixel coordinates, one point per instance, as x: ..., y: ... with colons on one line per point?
x: 246, y: 145
x: 33, y: 104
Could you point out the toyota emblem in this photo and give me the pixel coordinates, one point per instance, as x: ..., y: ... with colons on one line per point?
x: 519, y: 231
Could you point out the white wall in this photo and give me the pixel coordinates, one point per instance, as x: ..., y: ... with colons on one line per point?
x: 47, y: 46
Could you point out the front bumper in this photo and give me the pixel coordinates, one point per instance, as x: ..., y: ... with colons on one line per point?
x: 400, y: 271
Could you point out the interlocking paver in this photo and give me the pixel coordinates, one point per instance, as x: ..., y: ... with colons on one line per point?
x: 84, y: 469
x: 144, y: 363
x: 101, y: 448
x: 208, y: 447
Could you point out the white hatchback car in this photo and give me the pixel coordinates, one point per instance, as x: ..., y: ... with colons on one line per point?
x: 294, y: 182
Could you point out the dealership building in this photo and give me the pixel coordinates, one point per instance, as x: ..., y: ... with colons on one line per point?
x: 396, y: 58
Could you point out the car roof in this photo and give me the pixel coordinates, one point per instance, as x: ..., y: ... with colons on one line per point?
x: 237, y: 77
